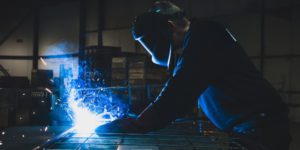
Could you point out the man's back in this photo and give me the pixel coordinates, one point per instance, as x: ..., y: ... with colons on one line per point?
x: 237, y: 97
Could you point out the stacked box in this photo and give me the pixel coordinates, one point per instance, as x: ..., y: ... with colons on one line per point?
x: 155, y: 73
x: 119, y: 73
x: 136, y: 71
x: 142, y: 71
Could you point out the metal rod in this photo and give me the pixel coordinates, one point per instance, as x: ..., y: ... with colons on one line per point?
x: 16, y: 57
x: 82, y: 28
x: 101, y: 18
x: 129, y: 95
x: 35, y: 37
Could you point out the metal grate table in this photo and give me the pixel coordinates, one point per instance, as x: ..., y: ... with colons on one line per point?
x: 178, y: 136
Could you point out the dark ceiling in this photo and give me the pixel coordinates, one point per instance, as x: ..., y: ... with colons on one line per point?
x: 7, y: 4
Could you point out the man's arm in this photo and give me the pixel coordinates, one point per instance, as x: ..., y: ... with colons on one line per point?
x: 192, y: 76
x: 197, y: 67
x: 177, y: 98
x: 194, y: 71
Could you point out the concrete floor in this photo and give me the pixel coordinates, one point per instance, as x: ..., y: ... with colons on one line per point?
x: 30, y: 137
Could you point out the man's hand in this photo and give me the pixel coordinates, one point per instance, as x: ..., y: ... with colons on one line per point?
x: 125, y: 125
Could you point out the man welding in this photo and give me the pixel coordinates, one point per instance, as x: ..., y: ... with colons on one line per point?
x: 213, y: 69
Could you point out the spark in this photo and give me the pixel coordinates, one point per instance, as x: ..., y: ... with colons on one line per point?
x: 43, y: 61
x: 23, y: 94
x: 33, y: 113
x: 84, y: 119
x: 46, y: 129
x: 48, y: 90
x: 89, y: 108
x: 1, y: 143
x: 23, y: 135
x: 3, y: 133
x: 20, y: 118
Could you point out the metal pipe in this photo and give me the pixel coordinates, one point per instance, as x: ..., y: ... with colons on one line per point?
x: 82, y: 28
x: 35, y: 36
x: 101, y: 18
x: 262, y: 34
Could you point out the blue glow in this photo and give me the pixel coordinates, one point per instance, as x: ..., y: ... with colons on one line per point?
x: 84, y: 97
x: 144, y: 45
x: 90, y: 108
x: 161, y: 62
x: 90, y: 104
x: 85, y: 119
x: 60, y: 48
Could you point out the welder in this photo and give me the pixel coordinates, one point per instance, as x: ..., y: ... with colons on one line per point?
x: 212, y: 69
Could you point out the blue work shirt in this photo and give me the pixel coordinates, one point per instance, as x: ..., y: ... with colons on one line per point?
x: 214, y: 69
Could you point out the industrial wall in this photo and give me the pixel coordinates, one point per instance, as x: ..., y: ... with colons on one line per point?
x: 271, y: 39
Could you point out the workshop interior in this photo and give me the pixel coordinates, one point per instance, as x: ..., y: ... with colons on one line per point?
x: 70, y: 66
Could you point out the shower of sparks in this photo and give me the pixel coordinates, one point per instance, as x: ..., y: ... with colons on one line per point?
x: 82, y: 96
x: 85, y: 119
x: 90, y: 105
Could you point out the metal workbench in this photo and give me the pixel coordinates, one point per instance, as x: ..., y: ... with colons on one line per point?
x: 178, y: 136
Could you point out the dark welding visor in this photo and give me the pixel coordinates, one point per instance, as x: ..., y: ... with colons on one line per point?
x: 153, y: 32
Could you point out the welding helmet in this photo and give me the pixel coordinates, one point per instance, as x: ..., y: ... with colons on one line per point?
x: 154, y: 33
